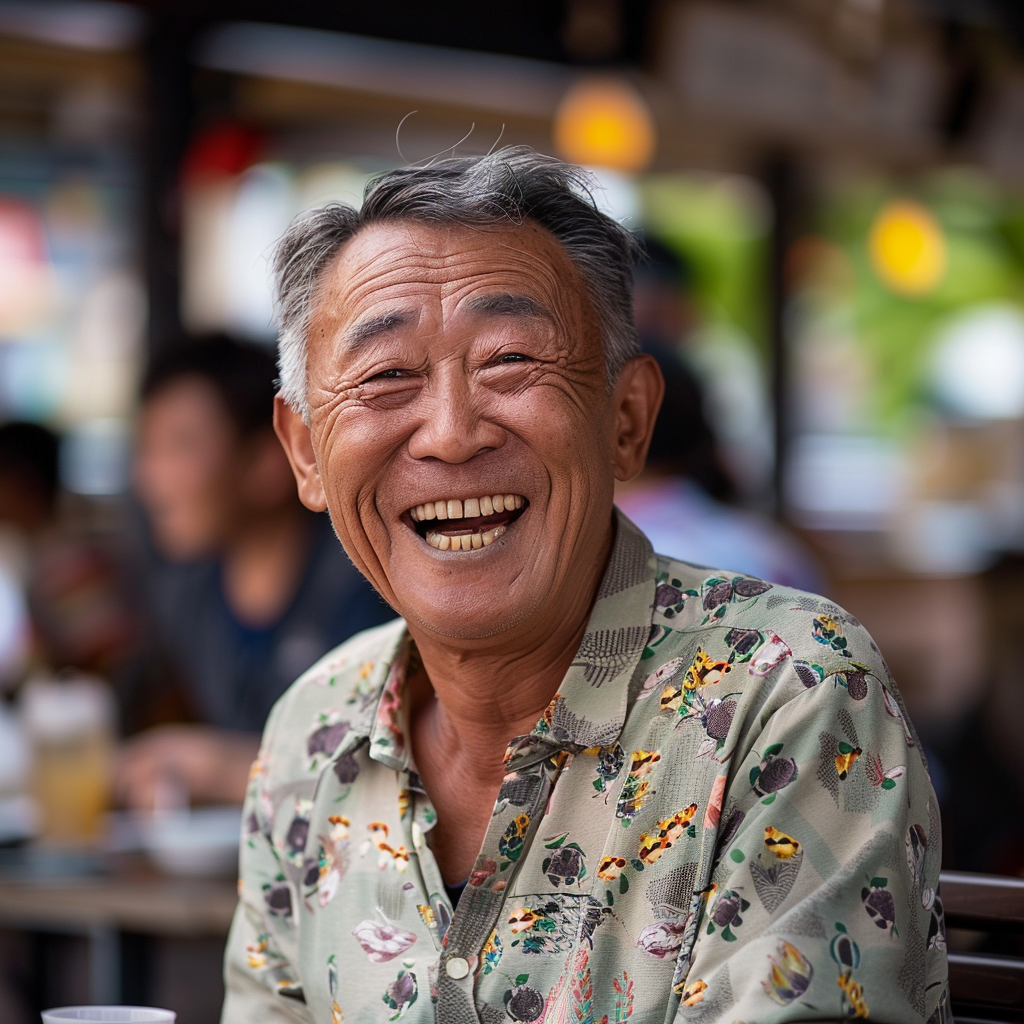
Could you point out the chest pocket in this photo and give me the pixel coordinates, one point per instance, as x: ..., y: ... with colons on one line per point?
x: 566, y: 842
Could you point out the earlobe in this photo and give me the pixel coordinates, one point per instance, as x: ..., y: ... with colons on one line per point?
x: 297, y: 442
x: 638, y: 395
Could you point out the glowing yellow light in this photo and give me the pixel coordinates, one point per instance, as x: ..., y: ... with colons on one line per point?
x: 908, y: 248
x: 604, y: 122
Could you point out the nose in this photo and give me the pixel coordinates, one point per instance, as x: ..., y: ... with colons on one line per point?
x: 454, y: 425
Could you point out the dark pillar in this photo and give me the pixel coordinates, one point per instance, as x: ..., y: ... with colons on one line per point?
x: 168, y: 113
x: 782, y: 181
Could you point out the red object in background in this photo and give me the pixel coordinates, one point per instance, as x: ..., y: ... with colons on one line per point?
x: 81, y: 606
x: 221, y: 151
x: 21, y: 232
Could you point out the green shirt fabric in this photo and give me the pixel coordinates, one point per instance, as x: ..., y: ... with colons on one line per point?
x: 724, y: 815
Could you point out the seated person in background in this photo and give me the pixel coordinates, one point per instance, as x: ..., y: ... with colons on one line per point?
x: 681, y: 499
x: 69, y: 573
x: 685, y: 499
x: 579, y: 780
x: 255, y: 585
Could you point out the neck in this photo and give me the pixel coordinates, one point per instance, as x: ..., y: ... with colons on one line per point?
x: 470, y: 700
x: 263, y: 564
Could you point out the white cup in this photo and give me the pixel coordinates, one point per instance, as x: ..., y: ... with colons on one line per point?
x: 109, y: 1015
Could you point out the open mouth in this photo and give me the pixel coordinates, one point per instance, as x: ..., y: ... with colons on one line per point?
x: 468, y: 524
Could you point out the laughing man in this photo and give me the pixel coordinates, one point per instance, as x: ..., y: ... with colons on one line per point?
x: 577, y: 781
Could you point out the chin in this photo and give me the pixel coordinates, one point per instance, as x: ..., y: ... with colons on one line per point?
x: 465, y: 618
x: 453, y: 629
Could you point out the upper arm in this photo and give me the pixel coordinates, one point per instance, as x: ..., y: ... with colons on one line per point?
x: 822, y: 904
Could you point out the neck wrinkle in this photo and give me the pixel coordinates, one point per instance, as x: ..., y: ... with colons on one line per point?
x: 480, y: 700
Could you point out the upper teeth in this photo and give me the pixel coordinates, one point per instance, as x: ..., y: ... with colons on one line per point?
x: 454, y: 508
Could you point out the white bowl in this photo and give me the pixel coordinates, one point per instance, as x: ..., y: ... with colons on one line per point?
x: 113, y: 1014
x: 203, y: 841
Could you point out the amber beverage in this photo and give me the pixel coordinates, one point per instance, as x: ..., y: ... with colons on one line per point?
x: 70, y: 722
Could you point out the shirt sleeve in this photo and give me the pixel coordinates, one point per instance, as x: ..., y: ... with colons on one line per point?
x: 823, y: 900
x: 261, y: 977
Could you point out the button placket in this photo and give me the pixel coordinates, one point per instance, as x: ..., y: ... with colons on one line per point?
x: 480, y: 906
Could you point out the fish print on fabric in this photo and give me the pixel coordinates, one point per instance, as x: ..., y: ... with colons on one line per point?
x: 636, y: 790
x: 722, y: 814
x: 846, y: 954
x: 776, y: 868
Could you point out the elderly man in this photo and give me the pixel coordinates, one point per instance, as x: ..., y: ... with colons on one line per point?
x: 580, y: 781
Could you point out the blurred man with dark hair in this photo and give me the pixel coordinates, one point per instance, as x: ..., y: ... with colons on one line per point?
x: 258, y: 586
x: 684, y: 499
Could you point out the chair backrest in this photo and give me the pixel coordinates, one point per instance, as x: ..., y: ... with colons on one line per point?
x: 985, y: 987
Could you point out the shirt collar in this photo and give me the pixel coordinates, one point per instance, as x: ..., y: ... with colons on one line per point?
x: 591, y: 705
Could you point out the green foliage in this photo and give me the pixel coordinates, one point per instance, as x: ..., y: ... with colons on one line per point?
x: 984, y: 234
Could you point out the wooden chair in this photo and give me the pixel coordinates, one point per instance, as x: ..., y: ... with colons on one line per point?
x: 985, y: 987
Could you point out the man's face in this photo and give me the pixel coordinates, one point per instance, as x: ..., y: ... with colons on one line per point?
x: 186, y: 468
x: 449, y: 366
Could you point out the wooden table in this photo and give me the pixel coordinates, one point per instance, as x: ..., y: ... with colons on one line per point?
x: 183, y: 908
x: 117, y: 906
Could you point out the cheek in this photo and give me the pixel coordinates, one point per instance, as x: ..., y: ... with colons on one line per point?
x: 569, y: 433
x: 355, y: 457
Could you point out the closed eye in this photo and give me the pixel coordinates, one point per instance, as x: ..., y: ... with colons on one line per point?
x: 392, y: 374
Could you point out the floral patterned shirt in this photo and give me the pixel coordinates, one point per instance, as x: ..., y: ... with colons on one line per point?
x: 723, y: 815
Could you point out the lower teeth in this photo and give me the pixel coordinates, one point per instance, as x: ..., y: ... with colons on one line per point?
x: 464, y: 541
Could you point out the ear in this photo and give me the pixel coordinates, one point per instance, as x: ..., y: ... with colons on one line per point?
x: 635, y: 401
x: 297, y: 442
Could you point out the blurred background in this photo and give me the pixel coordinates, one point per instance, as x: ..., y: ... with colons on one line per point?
x: 833, y: 196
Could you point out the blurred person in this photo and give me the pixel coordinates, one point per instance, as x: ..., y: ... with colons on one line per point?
x: 68, y: 607
x: 254, y: 585
x: 684, y: 500
x: 663, y: 295
x: 74, y: 581
x: 577, y: 779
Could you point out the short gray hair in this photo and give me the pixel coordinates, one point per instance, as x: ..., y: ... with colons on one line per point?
x: 509, y: 186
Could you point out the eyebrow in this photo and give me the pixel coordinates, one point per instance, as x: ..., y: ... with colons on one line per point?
x: 508, y: 305
x: 372, y: 327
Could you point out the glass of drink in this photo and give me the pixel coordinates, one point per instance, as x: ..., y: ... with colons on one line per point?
x: 70, y: 722
x: 108, y: 1015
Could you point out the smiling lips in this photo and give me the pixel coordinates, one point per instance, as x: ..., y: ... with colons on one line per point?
x: 468, y: 525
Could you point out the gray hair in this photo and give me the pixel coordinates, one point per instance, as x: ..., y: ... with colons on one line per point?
x: 509, y: 186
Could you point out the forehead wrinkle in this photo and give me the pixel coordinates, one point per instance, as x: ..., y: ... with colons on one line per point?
x: 508, y: 304
x: 370, y: 328
x: 382, y: 271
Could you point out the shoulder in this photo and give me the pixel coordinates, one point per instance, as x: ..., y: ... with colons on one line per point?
x: 693, y: 598
x: 773, y: 643
x: 339, y: 691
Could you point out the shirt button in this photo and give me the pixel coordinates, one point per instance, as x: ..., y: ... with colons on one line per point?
x: 457, y: 968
